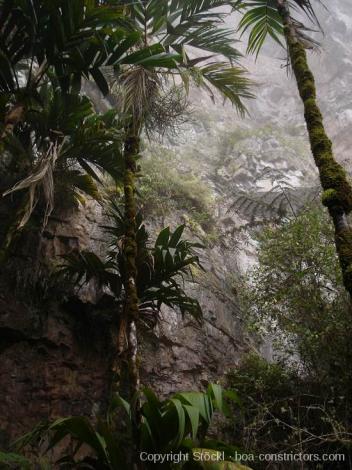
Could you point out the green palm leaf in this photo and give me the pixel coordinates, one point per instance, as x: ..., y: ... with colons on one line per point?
x: 160, y: 269
x: 261, y: 18
x: 230, y: 81
x: 193, y: 30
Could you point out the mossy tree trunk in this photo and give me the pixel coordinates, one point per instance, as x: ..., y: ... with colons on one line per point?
x: 130, y: 311
x: 127, y: 335
x: 337, y: 190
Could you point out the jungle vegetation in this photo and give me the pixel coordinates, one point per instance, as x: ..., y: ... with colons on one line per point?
x: 58, y: 151
x: 295, y: 297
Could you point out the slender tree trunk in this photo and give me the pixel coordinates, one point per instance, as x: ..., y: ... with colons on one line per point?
x: 13, y: 117
x: 337, y: 195
x: 130, y: 312
x: 127, y: 338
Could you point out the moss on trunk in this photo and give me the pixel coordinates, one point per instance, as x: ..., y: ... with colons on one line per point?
x: 131, y: 311
x: 126, y: 366
x: 337, y: 190
x: 130, y: 243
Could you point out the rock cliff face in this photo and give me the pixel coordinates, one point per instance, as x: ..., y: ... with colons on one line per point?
x: 45, y: 369
x: 54, y: 350
x: 228, y: 155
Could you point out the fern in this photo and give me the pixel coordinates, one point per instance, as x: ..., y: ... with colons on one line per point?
x: 281, y: 201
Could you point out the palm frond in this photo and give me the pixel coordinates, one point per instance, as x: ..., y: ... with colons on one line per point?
x: 69, y: 148
x: 66, y: 36
x: 184, y: 27
x: 41, y: 178
x: 205, y: 37
x: 262, y: 19
x: 138, y: 88
x: 82, y: 267
x: 161, y: 268
x: 230, y: 82
x: 80, y: 184
x: 307, y: 8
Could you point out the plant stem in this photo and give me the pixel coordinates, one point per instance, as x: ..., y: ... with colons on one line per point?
x: 131, y: 311
x: 337, y: 195
x: 132, y: 144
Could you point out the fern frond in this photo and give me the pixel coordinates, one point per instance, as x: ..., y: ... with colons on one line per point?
x: 281, y: 201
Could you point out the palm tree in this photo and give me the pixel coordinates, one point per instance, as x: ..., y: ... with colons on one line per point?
x: 53, y: 46
x: 69, y: 147
x: 41, y: 39
x: 173, y: 26
x: 273, y: 17
x: 159, y: 272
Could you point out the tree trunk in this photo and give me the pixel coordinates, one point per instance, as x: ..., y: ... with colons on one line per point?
x: 13, y: 117
x: 130, y: 312
x: 337, y: 195
x: 127, y: 335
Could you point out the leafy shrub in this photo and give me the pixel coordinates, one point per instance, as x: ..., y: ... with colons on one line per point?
x: 296, y: 295
x: 284, y: 411
x: 295, y: 298
x: 177, y: 424
x: 161, y: 267
x: 164, y: 189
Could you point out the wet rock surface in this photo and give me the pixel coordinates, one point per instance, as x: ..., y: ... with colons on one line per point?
x: 52, y: 364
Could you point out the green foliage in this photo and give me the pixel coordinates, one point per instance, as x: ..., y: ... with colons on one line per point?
x: 282, y: 202
x: 295, y: 297
x: 62, y: 36
x: 285, y: 411
x: 262, y: 19
x: 72, y: 40
x: 296, y: 290
x: 161, y: 267
x: 179, y: 27
x: 165, y: 190
x: 73, y: 147
x: 12, y: 460
x: 178, y: 424
x: 56, y: 159
x: 46, y: 50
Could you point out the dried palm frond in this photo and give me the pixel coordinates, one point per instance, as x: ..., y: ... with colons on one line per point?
x: 138, y: 87
x: 151, y: 97
x: 41, y: 177
x: 168, y: 111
